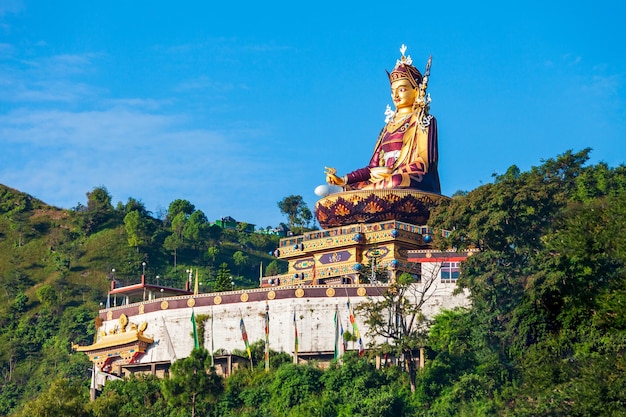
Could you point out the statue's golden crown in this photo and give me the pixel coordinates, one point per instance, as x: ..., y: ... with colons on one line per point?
x: 404, y: 69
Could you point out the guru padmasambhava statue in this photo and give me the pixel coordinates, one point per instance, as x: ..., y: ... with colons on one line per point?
x: 405, y: 155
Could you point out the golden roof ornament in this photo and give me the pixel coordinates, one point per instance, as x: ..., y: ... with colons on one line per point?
x: 403, y: 59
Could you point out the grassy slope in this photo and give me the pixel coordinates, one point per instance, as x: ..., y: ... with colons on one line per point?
x: 42, y: 244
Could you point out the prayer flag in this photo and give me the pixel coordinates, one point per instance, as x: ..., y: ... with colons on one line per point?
x: 356, y: 330
x: 212, y: 340
x: 343, y: 341
x: 261, y: 274
x: 244, y: 336
x: 339, y: 347
x: 267, y: 337
x: 196, y: 344
x: 295, y: 330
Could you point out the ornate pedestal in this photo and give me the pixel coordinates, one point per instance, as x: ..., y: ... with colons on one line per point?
x: 363, y: 227
x: 337, y: 255
x: 372, y: 206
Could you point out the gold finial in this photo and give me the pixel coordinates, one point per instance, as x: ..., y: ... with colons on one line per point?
x: 123, y: 322
x: 404, y: 60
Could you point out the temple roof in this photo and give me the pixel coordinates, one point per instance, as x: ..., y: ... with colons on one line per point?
x: 144, y: 291
x: 117, y: 339
x: 139, y: 289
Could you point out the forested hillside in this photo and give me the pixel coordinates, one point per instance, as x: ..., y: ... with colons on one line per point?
x: 545, y: 335
x: 56, y: 266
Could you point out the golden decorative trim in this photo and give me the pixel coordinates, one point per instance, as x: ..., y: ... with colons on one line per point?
x: 244, y: 297
x: 110, y: 315
x: 191, y: 302
x: 142, y: 309
x: 361, y: 292
x: 299, y: 292
x: 330, y: 292
x: 271, y: 295
x: 429, y: 254
x: 119, y: 339
x: 164, y: 305
x: 390, y: 193
x: 217, y: 299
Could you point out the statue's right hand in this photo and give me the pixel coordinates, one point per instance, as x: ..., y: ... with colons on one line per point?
x: 332, y: 178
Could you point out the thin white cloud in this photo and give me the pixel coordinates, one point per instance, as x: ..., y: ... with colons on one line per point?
x: 206, y: 83
x: 64, y: 136
x: 6, y: 49
x: 146, y: 104
x: 49, y: 79
x: 11, y: 6
x: 604, y: 85
x: 52, y: 91
x: 572, y: 59
x: 88, y: 129
x: 229, y: 45
x: 67, y: 64
x: 65, y: 154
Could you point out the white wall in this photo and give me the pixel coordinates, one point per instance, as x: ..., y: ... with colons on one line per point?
x: 171, y: 329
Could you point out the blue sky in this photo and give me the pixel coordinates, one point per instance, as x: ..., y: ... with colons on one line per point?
x: 235, y: 105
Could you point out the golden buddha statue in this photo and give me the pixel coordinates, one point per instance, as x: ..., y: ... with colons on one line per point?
x: 401, y: 181
x: 405, y: 155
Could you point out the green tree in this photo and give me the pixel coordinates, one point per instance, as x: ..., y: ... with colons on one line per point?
x: 62, y: 399
x: 242, y: 227
x: 77, y: 324
x: 212, y: 253
x: 398, y: 318
x: 273, y: 268
x: 193, y: 385
x: 536, y: 336
x: 240, y: 260
x: 356, y: 388
x: 99, y: 209
x: 294, y: 384
x: 257, y: 351
x: 173, y: 243
x: 136, y: 205
x: 135, y: 396
x: 298, y: 214
x: 47, y: 296
x: 178, y: 216
x: 453, y: 355
x: 195, y: 229
x: 99, y: 200
x: 223, y: 281
x: 178, y: 225
x: 177, y: 207
x: 137, y: 229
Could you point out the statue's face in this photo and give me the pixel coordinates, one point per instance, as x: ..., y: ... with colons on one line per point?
x: 403, y: 94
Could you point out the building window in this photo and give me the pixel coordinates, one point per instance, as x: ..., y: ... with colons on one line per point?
x: 449, y: 272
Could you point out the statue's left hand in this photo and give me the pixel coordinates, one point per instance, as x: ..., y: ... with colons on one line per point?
x: 380, y: 173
